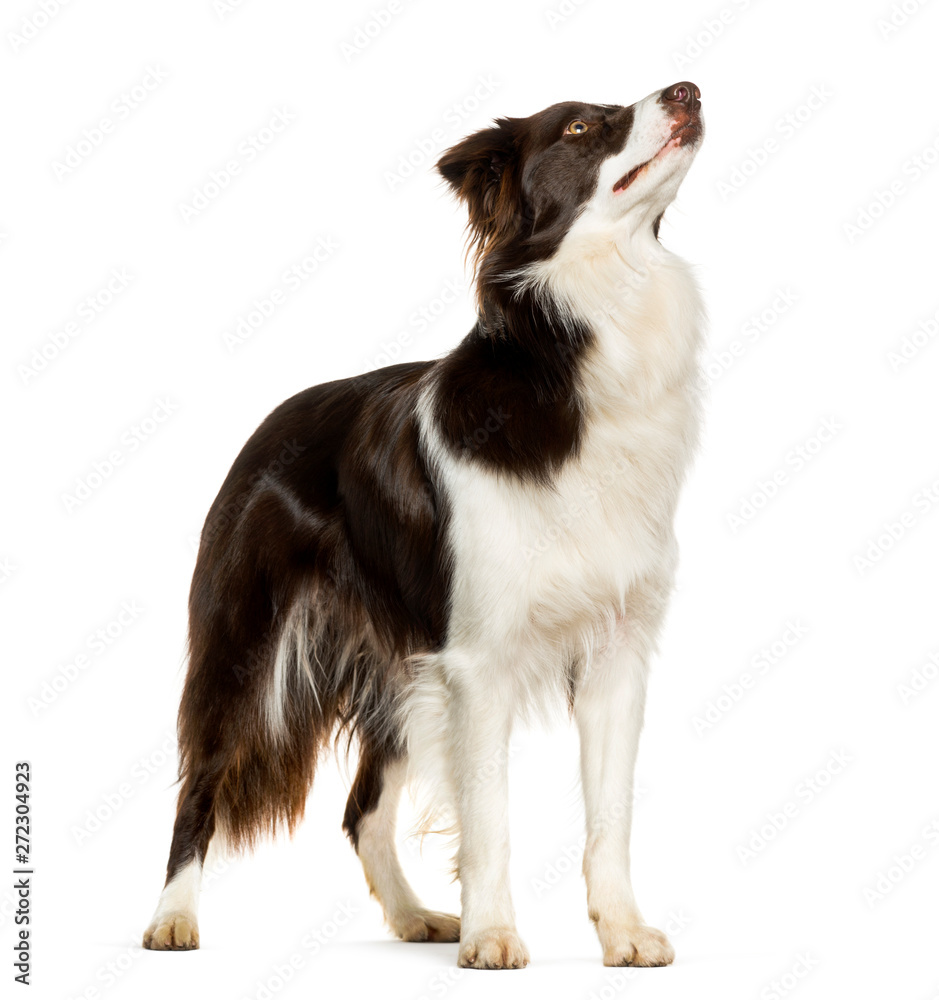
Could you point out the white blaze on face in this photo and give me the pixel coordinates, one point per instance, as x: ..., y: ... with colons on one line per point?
x: 656, y: 185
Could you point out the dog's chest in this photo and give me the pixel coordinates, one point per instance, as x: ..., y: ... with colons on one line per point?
x: 561, y: 556
x: 558, y: 557
x: 553, y: 559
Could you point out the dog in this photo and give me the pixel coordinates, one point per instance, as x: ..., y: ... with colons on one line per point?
x: 419, y: 556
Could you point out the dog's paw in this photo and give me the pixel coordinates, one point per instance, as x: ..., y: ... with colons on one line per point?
x: 426, y: 925
x: 496, y: 948
x: 637, y: 946
x: 172, y: 932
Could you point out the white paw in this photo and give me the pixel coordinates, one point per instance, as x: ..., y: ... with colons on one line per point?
x: 496, y: 948
x: 638, y: 946
x: 426, y: 925
x: 172, y: 932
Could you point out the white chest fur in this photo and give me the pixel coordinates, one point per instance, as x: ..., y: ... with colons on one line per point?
x: 539, y: 568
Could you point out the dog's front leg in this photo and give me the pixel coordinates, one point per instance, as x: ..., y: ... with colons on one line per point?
x: 609, y: 707
x: 480, y: 722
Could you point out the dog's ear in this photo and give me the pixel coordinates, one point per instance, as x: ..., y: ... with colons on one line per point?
x: 476, y: 164
x: 481, y: 172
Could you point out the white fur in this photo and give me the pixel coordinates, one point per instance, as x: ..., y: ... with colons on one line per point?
x: 378, y: 853
x: 655, y: 188
x: 276, y: 697
x: 578, y: 573
x: 174, y: 922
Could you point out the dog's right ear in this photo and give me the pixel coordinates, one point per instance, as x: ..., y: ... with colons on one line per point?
x: 480, y: 171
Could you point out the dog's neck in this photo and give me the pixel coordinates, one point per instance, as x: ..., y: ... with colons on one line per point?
x: 612, y: 301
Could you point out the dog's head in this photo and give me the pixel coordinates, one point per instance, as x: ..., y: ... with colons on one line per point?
x: 526, y: 180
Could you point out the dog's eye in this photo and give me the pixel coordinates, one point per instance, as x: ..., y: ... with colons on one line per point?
x: 577, y: 127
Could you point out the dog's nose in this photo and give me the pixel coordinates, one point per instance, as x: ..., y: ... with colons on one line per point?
x: 684, y: 94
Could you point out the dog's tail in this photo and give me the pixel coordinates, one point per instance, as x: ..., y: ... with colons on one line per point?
x: 282, y: 660
x: 249, y: 730
x: 295, y: 632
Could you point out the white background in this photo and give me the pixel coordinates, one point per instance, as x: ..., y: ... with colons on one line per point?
x: 766, y: 209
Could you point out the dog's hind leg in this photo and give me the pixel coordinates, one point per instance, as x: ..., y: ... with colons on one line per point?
x: 370, y: 821
x: 174, y: 926
x: 249, y: 725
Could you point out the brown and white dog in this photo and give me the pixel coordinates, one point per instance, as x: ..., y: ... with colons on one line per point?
x: 421, y: 555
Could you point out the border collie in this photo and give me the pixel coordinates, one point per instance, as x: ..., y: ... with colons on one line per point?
x: 419, y: 556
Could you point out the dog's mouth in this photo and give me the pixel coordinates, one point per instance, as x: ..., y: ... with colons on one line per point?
x: 686, y: 133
